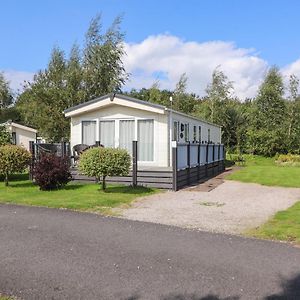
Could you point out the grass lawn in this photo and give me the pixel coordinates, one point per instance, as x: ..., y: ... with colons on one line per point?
x: 264, y: 171
x: 285, y: 225
x: 85, y: 197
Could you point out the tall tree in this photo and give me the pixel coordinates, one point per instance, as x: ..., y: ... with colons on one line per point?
x: 6, y: 96
x: 103, y: 67
x: 267, y: 133
x: 218, y: 92
x: 43, y: 100
x: 293, y: 117
x: 183, y: 101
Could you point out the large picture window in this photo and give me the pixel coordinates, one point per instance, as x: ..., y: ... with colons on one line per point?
x: 88, y: 132
x: 126, y: 134
x: 145, y: 140
x: 107, y: 133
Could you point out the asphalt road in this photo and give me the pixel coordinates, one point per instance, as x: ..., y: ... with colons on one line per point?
x: 59, y: 254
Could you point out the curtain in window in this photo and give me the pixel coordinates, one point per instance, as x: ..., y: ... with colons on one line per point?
x: 89, y: 132
x: 126, y: 134
x: 107, y: 133
x: 145, y: 140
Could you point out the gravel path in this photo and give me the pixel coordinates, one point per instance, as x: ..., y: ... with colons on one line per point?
x: 232, y: 207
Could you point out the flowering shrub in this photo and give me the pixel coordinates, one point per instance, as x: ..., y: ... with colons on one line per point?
x: 13, y: 159
x: 52, y: 172
x: 102, y: 162
x: 288, y: 160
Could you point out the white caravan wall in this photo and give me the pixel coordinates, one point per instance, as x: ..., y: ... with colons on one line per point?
x: 118, y: 112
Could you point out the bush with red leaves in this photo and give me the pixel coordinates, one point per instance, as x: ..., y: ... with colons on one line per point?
x: 52, y: 172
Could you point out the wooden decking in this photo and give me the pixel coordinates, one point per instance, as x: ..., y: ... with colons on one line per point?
x: 158, y: 177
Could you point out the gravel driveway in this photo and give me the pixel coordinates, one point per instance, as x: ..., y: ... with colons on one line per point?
x: 232, y: 207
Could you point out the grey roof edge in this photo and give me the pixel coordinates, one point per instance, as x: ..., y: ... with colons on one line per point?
x: 193, y: 117
x: 124, y: 97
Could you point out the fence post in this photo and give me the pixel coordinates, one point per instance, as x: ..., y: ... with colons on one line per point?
x: 31, y: 150
x: 206, y: 165
x: 213, y: 169
x: 188, y: 161
x: 134, y: 163
x: 219, y: 164
x: 98, y: 143
x: 198, y: 161
x: 63, y: 149
x: 224, y: 157
x: 175, y: 167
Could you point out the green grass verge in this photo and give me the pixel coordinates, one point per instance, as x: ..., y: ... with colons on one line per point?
x: 264, y: 171
x: 85, y: 197
x: 285, y: 225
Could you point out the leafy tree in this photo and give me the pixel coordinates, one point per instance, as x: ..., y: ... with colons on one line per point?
x: 182, y: 100
x: 102, y: 162
x: 5, y: 137
x: 6, y: 96
x: 293, y: 117
x: 13, y: 159
x: 267, y: 130
x: 42, y: 103
x: 218, y: 92
x: 103, y: 67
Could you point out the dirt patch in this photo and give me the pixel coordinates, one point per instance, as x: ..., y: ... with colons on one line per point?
x: 230, y: 207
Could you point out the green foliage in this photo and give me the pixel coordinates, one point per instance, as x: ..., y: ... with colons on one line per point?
x: 86, y: 74
x: 102, y: 162
x: 288, y: 160
x: 83, y: 197
x: 263, y: 170
x: 102, y: 62
x: 13, y: 159
x: 285, y: 225
x: 5, y: 137
x: 6, y: 97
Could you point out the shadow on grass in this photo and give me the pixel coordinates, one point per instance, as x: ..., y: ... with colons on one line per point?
x: 128, y: 190
x: 16, y: 177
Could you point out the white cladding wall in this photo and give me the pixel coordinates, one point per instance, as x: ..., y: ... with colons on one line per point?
x: 215, y: 131
x: 23, y: 137
x: 117, y: 112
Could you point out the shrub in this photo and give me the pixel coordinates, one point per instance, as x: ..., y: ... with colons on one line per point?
x: 52, y: 172
x: 13, y: 159
x: 102, y: 162
x: 5, y: 137
x: 288, y: 160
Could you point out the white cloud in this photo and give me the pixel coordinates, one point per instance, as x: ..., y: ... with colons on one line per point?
x: 16, y: 78
x: 166, y: 57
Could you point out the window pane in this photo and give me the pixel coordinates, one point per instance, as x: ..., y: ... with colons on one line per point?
x: 175, y: 131
x: 107, y: 133
x: 186, y: 132
x: 195, y: 134
x: 126, y: 135
x: 88, y: 132
x: 145, y: 140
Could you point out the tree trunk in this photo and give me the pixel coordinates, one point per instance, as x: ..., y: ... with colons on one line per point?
x: 6, y: 179
x: 103, y: 183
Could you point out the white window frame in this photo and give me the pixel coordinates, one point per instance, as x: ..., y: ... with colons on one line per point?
x: 81, y: 128
x: 154, y: 144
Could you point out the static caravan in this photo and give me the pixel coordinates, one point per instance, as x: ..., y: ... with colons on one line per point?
x: 21, y: 135
x: 116, y: 120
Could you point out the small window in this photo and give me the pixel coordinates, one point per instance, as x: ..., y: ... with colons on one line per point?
x: 175, y: 131
x: 199, y: 134
x: 208, y: 135
x: 195, y: 134
x: 186, y: 132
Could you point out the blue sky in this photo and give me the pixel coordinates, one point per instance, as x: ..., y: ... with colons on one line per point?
x: 266, y: 31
